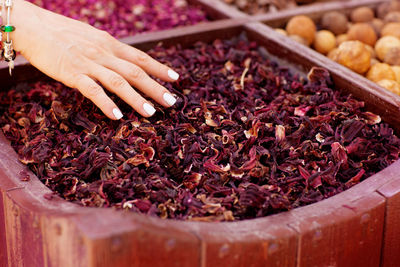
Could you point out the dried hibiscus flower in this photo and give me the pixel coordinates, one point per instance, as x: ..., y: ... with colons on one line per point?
x: 123, y: 18
x: 246, y: 139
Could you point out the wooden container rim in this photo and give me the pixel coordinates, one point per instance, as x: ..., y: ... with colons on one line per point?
x: 219, y: 10
x: 30, y: 195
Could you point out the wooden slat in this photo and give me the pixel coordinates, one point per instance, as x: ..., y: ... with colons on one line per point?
x: 138, y: 241
x: 341, y: 234
x: 259, y: 242
x: 3, y: 239
x: 391, y: 246
x: 218, y: 9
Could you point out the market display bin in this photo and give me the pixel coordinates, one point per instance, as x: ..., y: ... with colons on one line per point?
x: 349, y: 229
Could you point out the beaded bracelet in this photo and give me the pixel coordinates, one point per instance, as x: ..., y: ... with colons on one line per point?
x: 1, y: 33
x: 8, y: 52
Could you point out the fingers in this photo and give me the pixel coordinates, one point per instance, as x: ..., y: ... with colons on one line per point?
x: 147, y: 63
x: 90, y: 89
x: 117, y: 84
x: 138, y: 78
x: 118, y: 69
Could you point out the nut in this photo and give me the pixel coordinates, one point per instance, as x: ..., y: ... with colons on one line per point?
x: 371, y: 50
x: 393, y: 16
x: 385, y: 8
x: 374, y: 61
x: 335, y: 22
x: 377, y: 24
x: 354, y: 55
x: 390, y: 85
x: 392, y: 56
x: 333, y: 54
x: 382, y: 10
x: 380, y: 71
x: 341, y: 38
x: 392, y: 28
x: 362, y: 14
x: 302, y: 26
x: 362, y: 32
x: 299, y: 39
x: 281, y: 31
x: 324, y: 41
x: 384, y: 44
x: 396, y: 70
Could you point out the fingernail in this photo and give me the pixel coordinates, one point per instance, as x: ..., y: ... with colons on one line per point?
x: 117, y: 113
x: 170, y: 99
x: 150, y: 110
x: 173, y: 75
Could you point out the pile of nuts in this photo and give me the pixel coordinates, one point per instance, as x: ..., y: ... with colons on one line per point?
x: 367, y: 41
x: 264, y: 6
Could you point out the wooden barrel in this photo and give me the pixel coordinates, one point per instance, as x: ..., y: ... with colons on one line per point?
x: 358, y: 227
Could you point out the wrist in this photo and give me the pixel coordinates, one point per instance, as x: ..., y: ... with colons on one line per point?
x: 22, y: 17
x: 8, y: 51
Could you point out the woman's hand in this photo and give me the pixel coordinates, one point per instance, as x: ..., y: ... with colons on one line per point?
x: 81, y: 57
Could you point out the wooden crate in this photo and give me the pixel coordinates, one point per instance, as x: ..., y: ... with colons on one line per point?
x: 355, y: 228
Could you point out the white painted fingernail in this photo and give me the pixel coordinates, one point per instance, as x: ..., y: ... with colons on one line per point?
x: 117, y: 113
x: 170, y: 99
x: 150, y: 110
x: 173, y: 75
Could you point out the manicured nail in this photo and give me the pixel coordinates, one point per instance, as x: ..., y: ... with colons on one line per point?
x: 117, y: 113
x: 170, y: 99
x: 173, y: 75
x: 150, y: 110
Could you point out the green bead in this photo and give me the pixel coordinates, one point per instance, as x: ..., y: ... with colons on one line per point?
x: 7, y: 28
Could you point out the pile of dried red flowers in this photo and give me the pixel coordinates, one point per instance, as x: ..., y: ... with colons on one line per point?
x: 246, y: 139
x: 123, y: 18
